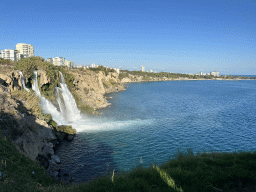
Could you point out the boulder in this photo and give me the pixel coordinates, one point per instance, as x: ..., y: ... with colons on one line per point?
x: 56, y: 159
x: 48, y: 150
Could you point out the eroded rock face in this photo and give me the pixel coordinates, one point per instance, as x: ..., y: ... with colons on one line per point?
x: 29, y: 134
x: 91, y: 87
x: 11, y: 80
x: 43, y: 77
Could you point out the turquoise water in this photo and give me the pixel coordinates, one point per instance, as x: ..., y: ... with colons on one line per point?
x: 151, y: 122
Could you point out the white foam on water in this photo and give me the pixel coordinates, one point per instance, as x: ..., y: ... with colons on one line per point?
x: 99, y: 125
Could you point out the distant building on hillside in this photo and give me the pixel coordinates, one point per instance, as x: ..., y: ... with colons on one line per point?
x: 143, y: 68
x: 26, y: 50
x: 94, y: 65
x: 59, y: 61
x: 69, y: 64
x: 200, y: 73
x: 50, y: 60
x: 11, y: 54
x: 215, y: 74
x: 151, y: 71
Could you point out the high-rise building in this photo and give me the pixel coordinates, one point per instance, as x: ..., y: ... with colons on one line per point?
x: 11, y: 54
x: 143, y: 68
x: 26, y: 50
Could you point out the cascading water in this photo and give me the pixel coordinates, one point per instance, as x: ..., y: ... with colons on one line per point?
x: 60, y: 101
x: 23, y: 82
x: 71, y: 111
x: 46, y: 105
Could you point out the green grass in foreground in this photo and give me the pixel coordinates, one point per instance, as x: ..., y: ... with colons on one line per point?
x: 187, y: 172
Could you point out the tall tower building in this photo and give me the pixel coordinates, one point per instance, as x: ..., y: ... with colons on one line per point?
x: 26, y: 50
x: 143, y: 68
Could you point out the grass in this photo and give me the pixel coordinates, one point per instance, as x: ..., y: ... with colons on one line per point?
x: 19, y: 173
x: 187, y: 172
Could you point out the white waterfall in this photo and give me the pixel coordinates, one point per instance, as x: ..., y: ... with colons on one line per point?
x: 46, y: 105
x: 68, y: 109
x: 35, y: 85
x: 22, y: 81
x: 71, y: 111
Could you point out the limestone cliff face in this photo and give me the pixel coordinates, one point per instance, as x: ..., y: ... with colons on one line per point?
x: 11, y: 80
x: 91, y: 87
x: 29, y: 134
x: 43, y: 77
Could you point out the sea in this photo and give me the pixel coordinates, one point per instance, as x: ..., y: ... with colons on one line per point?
x: 151, y: 122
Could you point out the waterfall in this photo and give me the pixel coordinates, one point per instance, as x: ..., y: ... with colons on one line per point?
x: 23, y: 82
x: 46, y: 105
x: 60, y: 101
x: 68, y: 109
x: 71, y: 111
x: 35, y: 85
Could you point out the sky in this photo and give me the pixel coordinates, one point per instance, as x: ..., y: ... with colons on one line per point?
x: 179, y: 36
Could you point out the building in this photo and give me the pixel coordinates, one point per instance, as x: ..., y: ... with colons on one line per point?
x: 200, y: 73
x: 117, y: 70
x: 26, y: 50
x: 143, y: 68
x: 151, y: 70
x: 59, y: 61
x: 50, y: 60
x: 94, y: 65
x: 69, y: 64
x: 11, y: 54
x: 215, y: 74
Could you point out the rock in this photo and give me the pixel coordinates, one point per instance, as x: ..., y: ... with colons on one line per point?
x: 56, y: 159
x: 53, y: 169
x: 52, y: 162
x: 70, y: 137
x: 11, y: 80
x: 43, y: 77
x: 48, y: 150
x: 60, y: 136
x: 55, y: 174
x: 43, y: 161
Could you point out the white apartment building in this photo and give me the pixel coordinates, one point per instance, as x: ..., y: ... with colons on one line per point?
x: 26, y: 50
x: 69, y: 64
x: 151, y: 71
x: 215, y: 74
x: 11, y: 54
x: 50, y: 60
x: 59, y: 61
x: 143, y: 68
x: 94, y: 65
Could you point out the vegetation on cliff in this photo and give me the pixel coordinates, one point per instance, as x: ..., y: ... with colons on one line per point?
x: 84, y: 84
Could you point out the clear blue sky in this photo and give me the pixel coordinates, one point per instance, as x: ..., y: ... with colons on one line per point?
x: 164, y: 35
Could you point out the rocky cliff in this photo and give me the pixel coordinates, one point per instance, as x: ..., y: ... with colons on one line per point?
x: 21, y: 117
x: 90, y: 87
